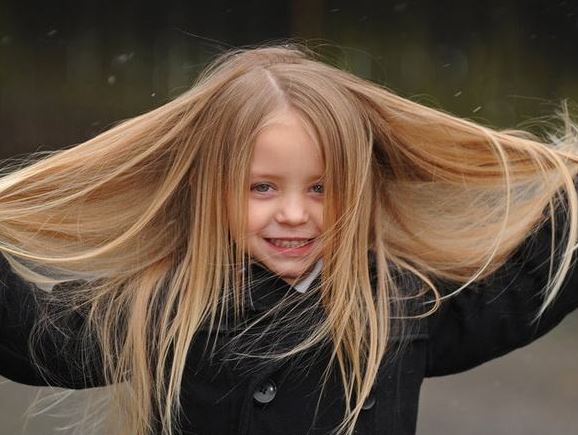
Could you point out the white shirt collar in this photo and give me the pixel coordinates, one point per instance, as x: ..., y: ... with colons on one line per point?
x: 304, y: 284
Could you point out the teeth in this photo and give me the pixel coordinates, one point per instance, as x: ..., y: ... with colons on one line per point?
x: 288, y: 243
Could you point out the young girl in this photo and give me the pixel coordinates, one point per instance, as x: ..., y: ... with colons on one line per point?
x: 283, y: 249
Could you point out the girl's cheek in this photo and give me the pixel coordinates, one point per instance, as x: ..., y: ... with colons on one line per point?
x: 257, y: 217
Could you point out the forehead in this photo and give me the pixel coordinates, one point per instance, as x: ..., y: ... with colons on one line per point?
x: 285, y: 146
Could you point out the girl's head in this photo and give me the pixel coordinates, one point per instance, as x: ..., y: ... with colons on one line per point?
x: 285, y: 204
x: 288, y: 143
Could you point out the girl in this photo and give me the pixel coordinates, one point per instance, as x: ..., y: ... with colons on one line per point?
x: 285, y: 248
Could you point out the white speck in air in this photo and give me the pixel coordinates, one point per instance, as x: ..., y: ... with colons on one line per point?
x: 124, y: 57
x: 111, y: 80
x: 458, y: 93
x: 477, y: 109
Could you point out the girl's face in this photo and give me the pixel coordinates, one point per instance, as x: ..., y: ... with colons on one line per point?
x: 285, y: 209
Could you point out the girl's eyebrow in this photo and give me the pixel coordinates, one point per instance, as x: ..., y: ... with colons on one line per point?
x: 279, y: 177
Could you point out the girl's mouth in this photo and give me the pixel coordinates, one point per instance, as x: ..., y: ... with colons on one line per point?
x: 295, y: 247
x: 283, y: 243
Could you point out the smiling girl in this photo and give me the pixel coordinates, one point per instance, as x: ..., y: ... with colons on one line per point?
x: 335, y: 242
x: 285, y: 208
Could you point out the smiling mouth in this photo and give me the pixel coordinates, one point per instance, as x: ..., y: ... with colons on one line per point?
x: 284, y: 243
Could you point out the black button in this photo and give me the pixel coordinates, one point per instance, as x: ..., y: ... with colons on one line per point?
x: 369, y: 402
x: 265, y: 392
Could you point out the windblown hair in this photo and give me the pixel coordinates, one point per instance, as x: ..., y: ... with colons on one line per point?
x: 148, y: 217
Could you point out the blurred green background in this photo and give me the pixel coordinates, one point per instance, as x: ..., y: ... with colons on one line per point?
x: 69, y: 70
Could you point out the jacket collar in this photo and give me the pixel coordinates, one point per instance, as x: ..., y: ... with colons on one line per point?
x: 267, y: 288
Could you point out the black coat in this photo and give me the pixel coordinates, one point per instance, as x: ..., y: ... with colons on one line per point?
x: 483, y: 322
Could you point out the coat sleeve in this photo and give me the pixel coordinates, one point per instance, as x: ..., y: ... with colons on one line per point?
x: 64, y: 360
x: 494, y: 316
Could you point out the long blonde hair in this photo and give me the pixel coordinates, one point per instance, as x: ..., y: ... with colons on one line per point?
x: 140, y: 216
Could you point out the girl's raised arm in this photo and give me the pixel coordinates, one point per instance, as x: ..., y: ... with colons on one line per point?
x: 495, y: 315
x: 40, y: 354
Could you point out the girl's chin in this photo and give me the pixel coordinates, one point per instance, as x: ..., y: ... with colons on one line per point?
x: 289, y: 274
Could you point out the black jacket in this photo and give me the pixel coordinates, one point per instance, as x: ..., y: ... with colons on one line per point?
x: 243, y: 396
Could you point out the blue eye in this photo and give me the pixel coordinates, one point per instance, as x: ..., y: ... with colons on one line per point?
x: 318, y: 188
x: 256, y: 187
x: 264, y: 188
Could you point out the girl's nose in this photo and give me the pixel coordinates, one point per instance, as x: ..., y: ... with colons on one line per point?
x: 292, y: 210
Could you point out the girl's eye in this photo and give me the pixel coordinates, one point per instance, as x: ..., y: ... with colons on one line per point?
x: 318, y: 188
x: 264, y: 188
x: 261, y: 188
